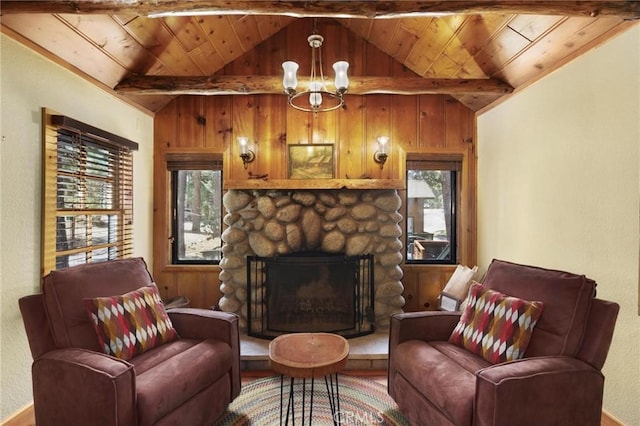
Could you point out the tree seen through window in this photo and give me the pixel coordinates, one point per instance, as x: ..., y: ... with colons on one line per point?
x: 198, y: 216
x: 431, y: 199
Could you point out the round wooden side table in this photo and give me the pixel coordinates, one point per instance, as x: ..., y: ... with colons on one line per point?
x: 309, y: 356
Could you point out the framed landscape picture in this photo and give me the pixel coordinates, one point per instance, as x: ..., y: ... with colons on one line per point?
x: 311, y: 161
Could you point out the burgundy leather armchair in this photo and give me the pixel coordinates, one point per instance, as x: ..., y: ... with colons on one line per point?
x: 188, y: 381
x: 558, y: 382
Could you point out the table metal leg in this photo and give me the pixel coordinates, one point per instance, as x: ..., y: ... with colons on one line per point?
x: 334, y: 397
x: 290, y: 405
x: 281, y: 395
x: 337, y: 400
x: 304, y: 394
x: 333, y: 394
x: 311, y: 403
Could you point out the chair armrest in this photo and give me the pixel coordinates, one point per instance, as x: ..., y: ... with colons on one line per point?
x: 599, y: 332
x: 425, y: 325
x: 36, y: 324
x: 78, y: 386
x: 203, y: 324
x: 540, y: 390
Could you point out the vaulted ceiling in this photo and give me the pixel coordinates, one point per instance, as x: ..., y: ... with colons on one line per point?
x: 476, y: 52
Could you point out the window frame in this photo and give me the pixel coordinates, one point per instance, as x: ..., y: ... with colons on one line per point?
x: 189, y: 161
x: 455, y: 165
x: 61, y: 131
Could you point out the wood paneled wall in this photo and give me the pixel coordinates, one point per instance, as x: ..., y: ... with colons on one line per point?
x: 418, y: 126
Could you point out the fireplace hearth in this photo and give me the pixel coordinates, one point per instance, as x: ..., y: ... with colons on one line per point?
x: 316, y: 292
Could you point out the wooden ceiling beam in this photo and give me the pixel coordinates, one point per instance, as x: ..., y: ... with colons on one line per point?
x: 626, y: 9
x: 254, y: 85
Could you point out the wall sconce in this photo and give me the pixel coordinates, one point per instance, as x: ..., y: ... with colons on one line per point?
x: 380, y: 156
x: 246, y: 154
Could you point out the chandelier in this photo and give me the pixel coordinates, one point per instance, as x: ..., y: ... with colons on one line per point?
x: 311, y: 100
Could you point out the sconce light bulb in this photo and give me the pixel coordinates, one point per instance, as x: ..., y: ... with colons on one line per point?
x: 243, y: 140
x: 382, y: 143
x: 246, y: 154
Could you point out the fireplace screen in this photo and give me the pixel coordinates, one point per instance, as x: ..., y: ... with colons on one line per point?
x: 310, y: 293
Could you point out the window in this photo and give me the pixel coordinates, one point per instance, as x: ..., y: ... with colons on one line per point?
x: 432, y: 197
x: 196, y: 188
x: 87, y: 194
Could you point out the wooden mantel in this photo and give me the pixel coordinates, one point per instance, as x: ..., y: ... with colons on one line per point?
x: 315, y: 184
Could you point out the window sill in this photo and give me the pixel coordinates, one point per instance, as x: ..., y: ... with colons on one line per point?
x: 191, y: 268
x: 430, y: 265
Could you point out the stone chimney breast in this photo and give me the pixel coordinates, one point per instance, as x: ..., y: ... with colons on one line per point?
x: 271, y: 222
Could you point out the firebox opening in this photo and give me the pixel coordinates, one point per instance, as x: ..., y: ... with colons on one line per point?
x: 316, y: 292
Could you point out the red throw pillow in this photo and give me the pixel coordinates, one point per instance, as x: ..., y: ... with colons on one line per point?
x: 131, y: 324
x: 496, y: 326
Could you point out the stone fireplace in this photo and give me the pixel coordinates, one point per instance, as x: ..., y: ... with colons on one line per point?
x: 349, y: 222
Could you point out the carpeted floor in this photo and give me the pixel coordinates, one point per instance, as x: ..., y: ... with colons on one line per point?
x: 363, y: 401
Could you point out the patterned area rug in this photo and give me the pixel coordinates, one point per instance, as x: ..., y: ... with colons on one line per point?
x: 362, y: 402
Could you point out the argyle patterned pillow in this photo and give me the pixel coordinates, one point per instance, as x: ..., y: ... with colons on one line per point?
x: 130, y: 324
x: 496, y: 326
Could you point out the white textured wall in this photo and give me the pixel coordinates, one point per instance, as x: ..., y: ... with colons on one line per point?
x: 559, y: 176
x: 29, y: 83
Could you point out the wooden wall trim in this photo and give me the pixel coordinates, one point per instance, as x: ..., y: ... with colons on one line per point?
x: 24, y: 417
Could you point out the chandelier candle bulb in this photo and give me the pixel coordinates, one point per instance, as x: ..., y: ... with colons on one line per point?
x: 342, y: 80
x: 290, y: 79
x: 315, y: 96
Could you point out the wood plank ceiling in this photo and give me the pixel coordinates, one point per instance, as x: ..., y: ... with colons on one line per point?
x: 475, y: 51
